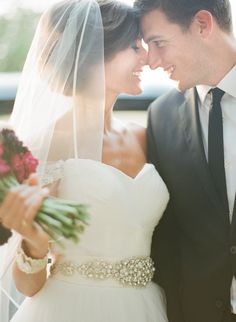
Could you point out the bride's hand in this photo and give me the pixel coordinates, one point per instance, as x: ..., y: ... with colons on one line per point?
x: 18, y: 211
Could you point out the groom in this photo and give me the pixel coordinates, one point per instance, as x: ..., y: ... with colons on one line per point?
x: 192, y: 142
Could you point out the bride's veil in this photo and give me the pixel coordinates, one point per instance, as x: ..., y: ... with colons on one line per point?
x: 59, y: 108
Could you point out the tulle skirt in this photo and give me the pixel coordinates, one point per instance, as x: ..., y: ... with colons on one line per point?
x: 61, y: 301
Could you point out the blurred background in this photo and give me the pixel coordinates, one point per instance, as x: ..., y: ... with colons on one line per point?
x: 18, y: 21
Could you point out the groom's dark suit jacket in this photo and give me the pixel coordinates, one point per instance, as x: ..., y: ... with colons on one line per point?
x: 194, y: 245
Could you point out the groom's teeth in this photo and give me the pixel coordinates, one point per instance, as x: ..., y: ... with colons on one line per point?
x: 136, y: 73
x: 170, y: 69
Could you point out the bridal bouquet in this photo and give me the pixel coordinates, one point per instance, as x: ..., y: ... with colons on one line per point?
x: 57, y: 217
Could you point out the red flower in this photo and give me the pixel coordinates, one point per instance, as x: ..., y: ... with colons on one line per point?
x: 30, y: 163
x: 23, y: 164
x: 4, y: 168
x: 18, y: 167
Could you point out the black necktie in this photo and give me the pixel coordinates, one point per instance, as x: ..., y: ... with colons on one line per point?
x: 216, y: 146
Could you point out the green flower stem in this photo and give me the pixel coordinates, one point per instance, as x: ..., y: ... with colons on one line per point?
x: 58, y: 215
x: 48, y: 220
x: 63, y: 208
x: 52, y: 234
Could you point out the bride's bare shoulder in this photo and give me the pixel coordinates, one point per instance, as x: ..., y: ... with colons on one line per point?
x: 139, y: 131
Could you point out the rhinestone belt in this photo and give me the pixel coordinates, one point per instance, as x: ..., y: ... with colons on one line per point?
x: 135, y: 271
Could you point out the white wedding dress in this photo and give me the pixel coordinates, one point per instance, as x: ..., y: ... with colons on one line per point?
x: 124, y: 212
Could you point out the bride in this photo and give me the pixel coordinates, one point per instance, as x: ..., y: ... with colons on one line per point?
x: 84, y: 54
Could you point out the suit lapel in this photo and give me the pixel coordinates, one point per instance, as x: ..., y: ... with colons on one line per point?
x: 233, y: 223
x: 190, y: 122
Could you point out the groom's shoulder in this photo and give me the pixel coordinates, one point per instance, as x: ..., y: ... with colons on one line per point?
x: 167, y: 103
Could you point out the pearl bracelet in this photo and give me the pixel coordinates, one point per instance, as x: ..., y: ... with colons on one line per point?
x: 30, y: 265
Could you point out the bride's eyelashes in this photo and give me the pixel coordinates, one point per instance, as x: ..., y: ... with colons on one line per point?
x: 135, y: 47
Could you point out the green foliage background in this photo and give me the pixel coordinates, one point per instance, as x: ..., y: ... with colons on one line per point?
x: 16, y: 32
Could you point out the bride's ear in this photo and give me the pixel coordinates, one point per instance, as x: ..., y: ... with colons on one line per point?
x: 203, y: 23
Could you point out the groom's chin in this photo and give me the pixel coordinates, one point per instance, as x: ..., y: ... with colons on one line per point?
x: 181, y: 87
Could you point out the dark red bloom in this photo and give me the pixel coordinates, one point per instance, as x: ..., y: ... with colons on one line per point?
x: 30, y: 162
x: 23, y: 165
x: 4, y: 168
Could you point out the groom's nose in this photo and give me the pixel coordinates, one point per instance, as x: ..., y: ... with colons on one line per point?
x: 153, y: 60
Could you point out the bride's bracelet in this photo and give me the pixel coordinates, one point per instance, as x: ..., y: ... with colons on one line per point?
x: 30, y: 265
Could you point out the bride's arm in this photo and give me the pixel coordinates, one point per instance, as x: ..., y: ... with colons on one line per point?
x: 17, y: 212
x: 30, y: 284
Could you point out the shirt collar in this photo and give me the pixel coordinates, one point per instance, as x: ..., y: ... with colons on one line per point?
x: 202, y: 91
x: 227, y: 84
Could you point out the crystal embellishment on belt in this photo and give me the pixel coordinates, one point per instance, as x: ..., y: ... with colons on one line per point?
x: 136, y: 271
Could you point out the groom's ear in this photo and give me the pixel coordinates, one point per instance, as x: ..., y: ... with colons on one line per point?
x: 203, y: 23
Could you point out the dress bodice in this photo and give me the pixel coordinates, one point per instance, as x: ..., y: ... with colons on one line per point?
x: 124, y: 210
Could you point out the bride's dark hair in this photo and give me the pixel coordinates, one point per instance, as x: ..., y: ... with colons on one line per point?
x: 120, y: 30
x: 121, y: 27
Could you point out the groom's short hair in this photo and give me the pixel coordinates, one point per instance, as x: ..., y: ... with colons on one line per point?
x: 182, y: 11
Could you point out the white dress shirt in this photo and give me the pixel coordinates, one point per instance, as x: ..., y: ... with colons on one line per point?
x: 228, y: 106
